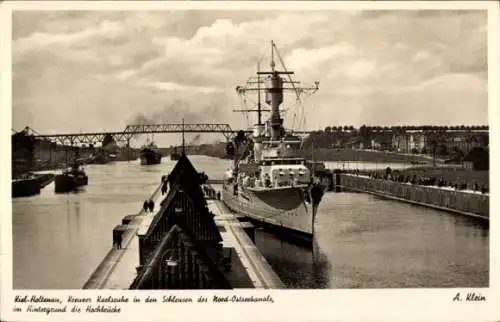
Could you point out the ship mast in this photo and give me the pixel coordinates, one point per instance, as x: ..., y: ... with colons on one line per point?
x: 183, y: 141
x: 274, y: 96
x: 259, y: 106
x: 274, y: 88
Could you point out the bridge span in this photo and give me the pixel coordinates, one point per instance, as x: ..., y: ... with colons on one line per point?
x: 132, y: 130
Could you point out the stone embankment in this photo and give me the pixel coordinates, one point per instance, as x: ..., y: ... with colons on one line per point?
x: 464, y: 202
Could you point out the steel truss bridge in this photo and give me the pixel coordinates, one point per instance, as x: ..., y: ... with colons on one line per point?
x: 132, y: 130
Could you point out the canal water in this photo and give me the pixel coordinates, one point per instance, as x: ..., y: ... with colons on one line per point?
x: 361, y: 241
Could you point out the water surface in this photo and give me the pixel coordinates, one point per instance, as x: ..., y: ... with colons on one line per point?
x: 362, y: 241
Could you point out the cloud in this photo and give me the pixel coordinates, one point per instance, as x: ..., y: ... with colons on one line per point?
x: 310, y: 58
x: 167, y: 86
x: 102, y: 70
x: 41, y: 40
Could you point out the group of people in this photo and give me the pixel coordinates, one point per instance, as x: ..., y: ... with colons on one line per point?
x: 164, y: 186
x: 117, y: 239
x: 148, y: 205
x: 278, y: 180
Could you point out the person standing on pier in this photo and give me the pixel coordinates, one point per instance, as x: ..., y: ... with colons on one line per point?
x: 151, y: 205
x: 115, y: 239
x: 119, y: 240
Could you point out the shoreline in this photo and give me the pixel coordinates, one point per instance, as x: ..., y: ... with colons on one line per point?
x: 348, y: 155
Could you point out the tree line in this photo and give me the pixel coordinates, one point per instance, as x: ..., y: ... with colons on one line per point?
x: 436, y: 136
x: 378, y: 128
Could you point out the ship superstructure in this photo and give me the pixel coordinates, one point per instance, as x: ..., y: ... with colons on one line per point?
x: 269, y: 181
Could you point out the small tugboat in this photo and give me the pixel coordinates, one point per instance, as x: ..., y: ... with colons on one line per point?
x: 30, y: 184
x: 71, y: 179
x: 149, y: 154
x: 26, y: 185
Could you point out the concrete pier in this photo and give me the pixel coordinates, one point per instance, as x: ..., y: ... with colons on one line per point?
x: 234, y: 235
x: 108, y: 267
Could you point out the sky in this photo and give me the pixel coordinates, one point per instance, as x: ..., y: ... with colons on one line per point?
x: 89, y: 71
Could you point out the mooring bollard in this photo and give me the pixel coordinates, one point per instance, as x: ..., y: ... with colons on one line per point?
x: 127, y: 219
x: 337, y: 179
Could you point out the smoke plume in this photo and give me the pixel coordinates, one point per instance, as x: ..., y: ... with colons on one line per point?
x: 214, y: 112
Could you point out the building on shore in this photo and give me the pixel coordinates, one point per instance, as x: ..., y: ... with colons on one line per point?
x: 409, y: 142
x: 445, y: 141
x: 23, y: 146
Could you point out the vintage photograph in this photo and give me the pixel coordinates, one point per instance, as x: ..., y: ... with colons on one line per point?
x: 250, y: 149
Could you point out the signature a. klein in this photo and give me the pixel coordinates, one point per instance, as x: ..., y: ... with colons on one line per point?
x: 470, y: 297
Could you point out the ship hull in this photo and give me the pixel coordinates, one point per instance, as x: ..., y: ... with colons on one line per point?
x: 149, y: 157
x: 31, y: 186
x: 150, y: 160
x: 25, y: 187
x: 282, y: 210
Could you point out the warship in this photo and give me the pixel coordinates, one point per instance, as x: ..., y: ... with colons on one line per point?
x: 269, y: 181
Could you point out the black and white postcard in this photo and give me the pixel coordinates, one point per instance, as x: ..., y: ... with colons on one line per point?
x: 233, y: 160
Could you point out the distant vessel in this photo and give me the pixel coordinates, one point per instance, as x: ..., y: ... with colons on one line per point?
x: 101, y: 157
x: 149, y: 154
x: 175, y: 155
x: 71, y: 179
x: 269, y: 181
